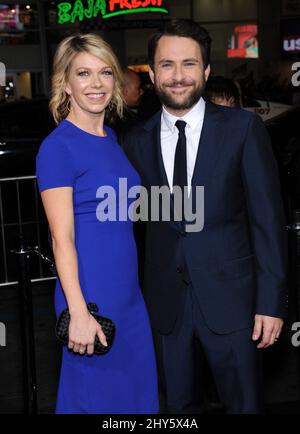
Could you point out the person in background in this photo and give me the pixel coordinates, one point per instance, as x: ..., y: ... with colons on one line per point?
x: 132, y: 94
x: 222, y: 91
x: 132, y: 90
x: 95, y: 257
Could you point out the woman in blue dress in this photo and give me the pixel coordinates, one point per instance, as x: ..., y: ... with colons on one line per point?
x: 96, y: 260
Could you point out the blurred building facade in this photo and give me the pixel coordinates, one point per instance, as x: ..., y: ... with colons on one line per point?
x: 249, y: 36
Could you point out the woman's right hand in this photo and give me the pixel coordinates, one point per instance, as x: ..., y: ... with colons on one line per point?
x: 82, y: 331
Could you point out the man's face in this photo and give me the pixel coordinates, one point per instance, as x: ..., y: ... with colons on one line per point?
x: 179, y: 76
x: 133, y: 91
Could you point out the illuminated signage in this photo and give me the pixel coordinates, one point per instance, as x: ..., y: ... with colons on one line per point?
x: 243, y: 42
x: 291, y: 44
x: 290, y: 38
x: 10, y: 18
x: 88, y: 9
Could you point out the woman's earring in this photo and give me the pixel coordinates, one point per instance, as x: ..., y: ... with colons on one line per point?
x: 69, y: 105
x: 110, y: 105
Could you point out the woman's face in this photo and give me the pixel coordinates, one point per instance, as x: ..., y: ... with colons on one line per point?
x: 90, y: 84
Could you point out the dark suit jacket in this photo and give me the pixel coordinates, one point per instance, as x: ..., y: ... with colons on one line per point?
x: 237, y: 263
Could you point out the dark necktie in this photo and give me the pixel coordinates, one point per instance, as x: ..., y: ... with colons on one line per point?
x: 180, y: 164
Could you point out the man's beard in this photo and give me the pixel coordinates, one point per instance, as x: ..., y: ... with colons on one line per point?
x: 190, y: 100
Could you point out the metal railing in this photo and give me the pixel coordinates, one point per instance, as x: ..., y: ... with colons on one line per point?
x: 21, y: 214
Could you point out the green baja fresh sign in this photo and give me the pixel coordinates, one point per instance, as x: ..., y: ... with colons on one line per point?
x: 87, y: 9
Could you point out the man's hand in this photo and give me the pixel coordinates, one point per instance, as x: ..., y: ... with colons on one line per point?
x: 268, y: 328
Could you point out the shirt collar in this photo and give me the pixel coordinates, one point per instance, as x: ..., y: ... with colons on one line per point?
x: 193, y: 118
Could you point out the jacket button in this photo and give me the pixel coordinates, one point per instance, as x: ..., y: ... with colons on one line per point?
x: 179, y: 270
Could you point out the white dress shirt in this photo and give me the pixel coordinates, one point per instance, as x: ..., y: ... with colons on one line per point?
x: 169, y: 137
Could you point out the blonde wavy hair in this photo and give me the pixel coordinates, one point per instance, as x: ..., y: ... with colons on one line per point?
x: 66, y: 51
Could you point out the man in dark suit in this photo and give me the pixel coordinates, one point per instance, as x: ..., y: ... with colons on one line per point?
x: 224, y: 284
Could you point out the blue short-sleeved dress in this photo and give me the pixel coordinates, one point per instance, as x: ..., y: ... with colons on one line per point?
x: 124, y: 380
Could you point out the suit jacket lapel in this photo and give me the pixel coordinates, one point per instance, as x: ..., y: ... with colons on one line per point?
x: 210, y: 145
x: 160, y: 161
x: 153, y: 128
x: 152, y: 139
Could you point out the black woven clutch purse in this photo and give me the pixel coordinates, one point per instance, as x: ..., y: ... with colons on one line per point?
x: 107, y: 325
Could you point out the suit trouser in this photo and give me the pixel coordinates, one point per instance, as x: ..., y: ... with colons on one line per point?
x: 233, y: 358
